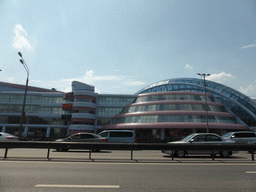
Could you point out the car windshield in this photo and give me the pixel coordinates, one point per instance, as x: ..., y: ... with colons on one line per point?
x: 187, y: 138
x: 227, y: 135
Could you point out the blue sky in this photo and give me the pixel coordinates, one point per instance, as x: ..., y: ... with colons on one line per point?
x: 121, y: 46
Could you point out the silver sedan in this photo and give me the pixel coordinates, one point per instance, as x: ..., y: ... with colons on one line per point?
x: 82, y: 137
x: 200, y: 138
x: 7, y: 136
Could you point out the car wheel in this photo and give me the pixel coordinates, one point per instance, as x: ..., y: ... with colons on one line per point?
x: 224, y: 154
x: 180, y: 153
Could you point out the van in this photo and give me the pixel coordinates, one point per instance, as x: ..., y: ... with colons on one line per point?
x: 241, y: 137
x: 119, y: 136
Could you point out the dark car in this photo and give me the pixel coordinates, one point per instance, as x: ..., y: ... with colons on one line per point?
x: 202, y: 138
x: 82, y: 137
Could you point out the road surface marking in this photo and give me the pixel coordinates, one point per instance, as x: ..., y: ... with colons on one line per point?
x: 78, y: 186
x: 250, y: 172
x: 135, y: 163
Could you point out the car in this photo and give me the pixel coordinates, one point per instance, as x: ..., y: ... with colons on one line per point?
x: 82, y: 137
x: 201, y: 138
x: 7, y: 137
x: 119, y: 136
x: 241, y: 137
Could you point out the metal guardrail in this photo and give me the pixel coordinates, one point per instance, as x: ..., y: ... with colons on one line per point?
x: 125, y: 146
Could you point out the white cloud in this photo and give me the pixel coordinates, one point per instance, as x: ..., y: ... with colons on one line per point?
x: 20, y: 40
x: 10, y: 80
x: 187, y: 66
x: 220, y: 77
x: 112, y: 81
x: 90, y: 77
x: 248, y: 46
x: 134, y: 83
x: 247, y: 90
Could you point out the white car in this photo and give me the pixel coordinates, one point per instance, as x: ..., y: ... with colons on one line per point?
x: 200, y: 138
x: 7, y: 136
x: 241, y: 137
x: 119, y: 136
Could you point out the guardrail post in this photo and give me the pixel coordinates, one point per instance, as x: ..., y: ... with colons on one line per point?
x: 213, y: 155
x: 48, y: 153
x: 131, y: 154
x: 5, y: 154
x: 90, y: 153
x: 252, y: 152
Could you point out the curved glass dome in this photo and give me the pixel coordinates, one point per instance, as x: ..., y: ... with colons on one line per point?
x: 238, y: 103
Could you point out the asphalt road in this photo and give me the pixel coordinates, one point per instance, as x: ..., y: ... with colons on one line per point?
x: 29, y: 170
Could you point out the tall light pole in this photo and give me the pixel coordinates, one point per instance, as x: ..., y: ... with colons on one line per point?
x: 206, y: 106
x: 24, y: 101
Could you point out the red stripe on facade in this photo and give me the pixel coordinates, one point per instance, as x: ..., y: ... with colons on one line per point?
x: 83, y: 120
x: 174, y: 102
x: 85, y: 97
x: 84, y: 108
x: 69, y: 95
x: 176, y: 125
x: 183, y: 112
x: 173, y: 93
x: 67, y: 106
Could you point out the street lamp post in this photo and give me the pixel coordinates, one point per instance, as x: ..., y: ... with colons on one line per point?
x: 206, y: 106
x: 24, y: 101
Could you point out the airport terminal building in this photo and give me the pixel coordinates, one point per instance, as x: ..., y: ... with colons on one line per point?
x: 164, y: 111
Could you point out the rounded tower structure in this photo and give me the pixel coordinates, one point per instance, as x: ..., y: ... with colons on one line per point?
x: 171, y: 109
x: 81, y: 108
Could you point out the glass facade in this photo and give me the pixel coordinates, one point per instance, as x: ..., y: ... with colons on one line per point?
x: 18, y: 98
x: 241, y: 105
x: 111, y: 100
x: 111, y: 105
x: 161, y: 115
x: 103, y: 121
x: 173, y: 97
x: 85, y: 100
x: 11, y: 119
x: 109, y: 110
x: 38, y: 133
x: 167, y: 107
x: 173, y: 118
x: 44, y: 111
x: 10, y: 108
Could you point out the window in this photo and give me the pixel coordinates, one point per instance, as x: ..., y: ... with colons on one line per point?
x: 76, y: 137
x: 213, y: 138
x: 241, y: 135
x: 105, y: 134
x: 121, y: 134
x: 199, y: 138
x: 86, y: 136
